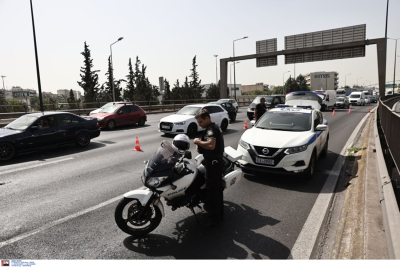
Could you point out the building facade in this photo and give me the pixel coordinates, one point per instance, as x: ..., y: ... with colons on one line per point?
x: 255, y: 87
x: 322, y: 80
x: 20, y: 94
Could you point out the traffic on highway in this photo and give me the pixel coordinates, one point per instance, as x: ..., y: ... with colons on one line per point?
x: 70, y: 194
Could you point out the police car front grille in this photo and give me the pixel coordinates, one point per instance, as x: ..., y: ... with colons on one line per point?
x: 271, y: 150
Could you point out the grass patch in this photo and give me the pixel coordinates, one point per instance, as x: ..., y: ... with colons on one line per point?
x: 354, y: 149
x: 350, y: 157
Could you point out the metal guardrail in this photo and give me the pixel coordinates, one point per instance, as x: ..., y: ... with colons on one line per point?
x: 389, y: 205
x: 390, y: 123
x: 86, y: 108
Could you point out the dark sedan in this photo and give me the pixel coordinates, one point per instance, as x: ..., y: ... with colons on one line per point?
x: 36, y: 131
x: 228, y: 107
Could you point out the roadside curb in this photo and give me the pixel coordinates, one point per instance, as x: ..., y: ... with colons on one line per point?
x: 390, y: 209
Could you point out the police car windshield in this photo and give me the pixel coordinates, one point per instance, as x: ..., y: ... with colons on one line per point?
x: 268, y: 99
x: 285, y: 121
x: 188, y: 111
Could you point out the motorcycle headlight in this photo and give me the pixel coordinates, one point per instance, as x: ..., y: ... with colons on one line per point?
x: 297, y: 149
x: 155, y: 181
x: 244, y: 144
x: 180, y: 123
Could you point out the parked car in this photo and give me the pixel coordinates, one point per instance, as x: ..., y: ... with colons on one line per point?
x: 120, y: 114
x: 231, y: 101
x: 373, y: 98
x: 285, y: 140
x: 270, y: 101
x: 342, y: 102
x: 357, y: 98
x: 184, y: 121
x: 228, y: 107
x: 367, y: 99
x: 107, y: 105
x: 37, y: 131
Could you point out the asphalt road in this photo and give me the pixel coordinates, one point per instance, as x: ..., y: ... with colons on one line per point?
x: 59, y: 204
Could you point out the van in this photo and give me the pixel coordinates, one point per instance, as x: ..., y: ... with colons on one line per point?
x: 357, y: 98
x: 328, y: 100
x: 271, y: 101
x: 341, y: 93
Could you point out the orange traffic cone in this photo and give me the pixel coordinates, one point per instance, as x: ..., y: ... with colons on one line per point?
x: 245, y: 125
x: 349, y: 110
x: 369, y: 110
x: 137, y: 146
x: 334, y: 113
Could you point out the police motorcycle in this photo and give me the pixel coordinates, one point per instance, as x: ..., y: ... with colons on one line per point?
x: 170, y: 175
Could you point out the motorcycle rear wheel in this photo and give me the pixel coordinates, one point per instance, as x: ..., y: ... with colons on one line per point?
x: 126, y: 217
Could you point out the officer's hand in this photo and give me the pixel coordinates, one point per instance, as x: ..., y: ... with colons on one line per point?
x: 196, y: 140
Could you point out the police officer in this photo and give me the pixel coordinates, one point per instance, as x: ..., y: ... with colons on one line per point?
x: 260, y: 109
x: 211, y: 145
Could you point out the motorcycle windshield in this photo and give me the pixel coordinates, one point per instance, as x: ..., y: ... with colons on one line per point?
x: 165, y: 158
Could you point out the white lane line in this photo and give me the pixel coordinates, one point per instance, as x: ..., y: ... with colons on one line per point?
x: 305, y: 242
x: 55, y: 223
x: 34, y: 166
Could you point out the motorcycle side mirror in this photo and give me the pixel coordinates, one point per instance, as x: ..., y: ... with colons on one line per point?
x: 188, y: 154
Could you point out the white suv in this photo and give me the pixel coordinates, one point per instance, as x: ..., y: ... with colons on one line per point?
x: 285, y: 140
x: 184, y: 121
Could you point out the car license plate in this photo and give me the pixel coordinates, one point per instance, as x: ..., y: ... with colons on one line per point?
x: 165, y: 127
x: 265, y: 161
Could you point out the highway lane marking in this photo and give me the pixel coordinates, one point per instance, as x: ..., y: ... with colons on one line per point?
x: 34, y: 166
x: 304, y: 245
x: 55, y: 223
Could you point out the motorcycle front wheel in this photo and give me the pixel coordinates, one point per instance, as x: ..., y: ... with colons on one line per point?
x: 126, y: 217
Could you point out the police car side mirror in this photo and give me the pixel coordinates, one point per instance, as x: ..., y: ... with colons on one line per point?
x: 188, y: 155
x: 321, y: 127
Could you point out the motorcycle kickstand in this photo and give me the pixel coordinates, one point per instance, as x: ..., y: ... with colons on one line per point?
x: 192, y: 209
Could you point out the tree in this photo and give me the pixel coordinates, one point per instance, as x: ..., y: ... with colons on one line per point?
x: 213, y: 92
x: 130, y: 91
x: 187, y: 90
x: 176, y: 92
x: 3, y: 103
x: 167, y: 91
x: 302, y: 83
x: 278, y: 90
x: 71, y: 100
x: 89, y: 78
x: 107, y: 92
x: 195, y: 84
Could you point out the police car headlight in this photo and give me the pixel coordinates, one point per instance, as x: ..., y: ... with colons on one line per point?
x: 100, y: 118
x: 297, y: 149
x: 155, y: 181
x: 180, y: 123
x: 250, y: 109
x: 244, y: 144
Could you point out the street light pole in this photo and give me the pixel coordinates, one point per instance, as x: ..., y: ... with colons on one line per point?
x: 3, y: 81
x: 112, y: 69
x: 234, y: 76
x: 230, y: 73
x: 395, y: 56
x: 283, y: 81
x: 37, y: 62
x: 345, y: 83
x: 216, y: 70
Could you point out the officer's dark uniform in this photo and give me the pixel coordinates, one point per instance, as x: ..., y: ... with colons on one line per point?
x: 213, y: 164
x: 261, y: 108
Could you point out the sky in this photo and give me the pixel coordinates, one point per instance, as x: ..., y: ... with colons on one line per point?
x: 167, y: 34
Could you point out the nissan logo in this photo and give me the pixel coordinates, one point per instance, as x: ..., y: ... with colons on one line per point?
x: 265, y: 151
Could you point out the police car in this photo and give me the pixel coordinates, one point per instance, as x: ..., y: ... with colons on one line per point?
x: 286, y: 140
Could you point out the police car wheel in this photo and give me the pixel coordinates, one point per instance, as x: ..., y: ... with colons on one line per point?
x: 224, y: 125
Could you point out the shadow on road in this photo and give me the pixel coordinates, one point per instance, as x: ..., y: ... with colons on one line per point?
x: 55, y: 152
x: 235, y: 238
